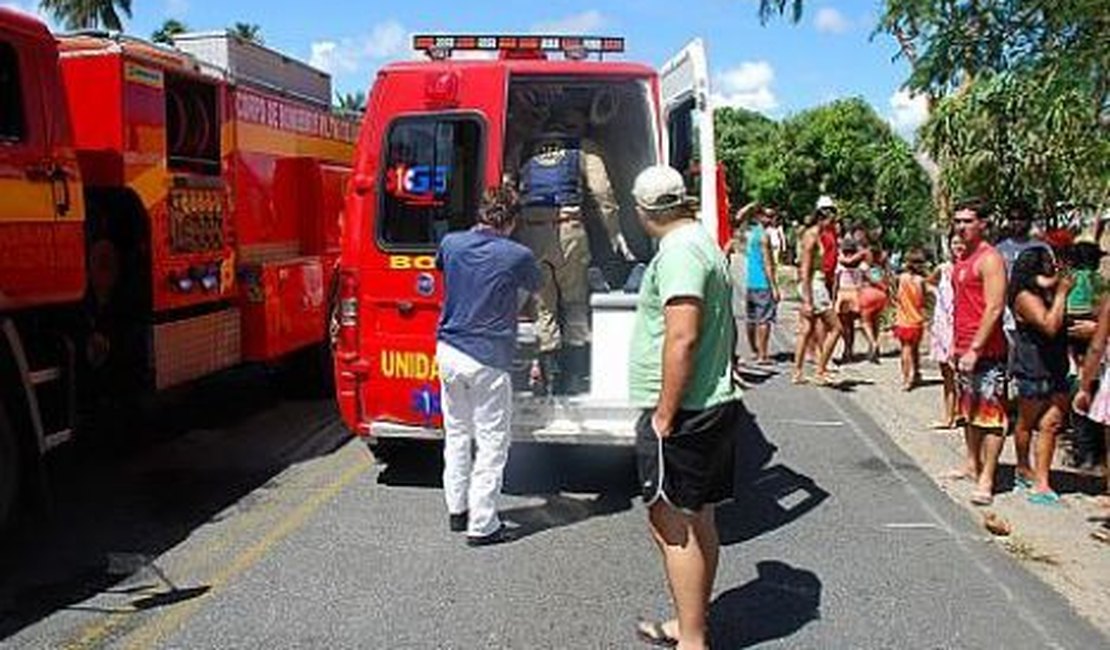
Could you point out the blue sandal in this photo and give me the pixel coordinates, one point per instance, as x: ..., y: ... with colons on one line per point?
x: 1022, y: 484
x: 1049, y: 498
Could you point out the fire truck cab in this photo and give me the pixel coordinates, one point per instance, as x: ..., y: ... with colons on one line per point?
x: 437, y: 133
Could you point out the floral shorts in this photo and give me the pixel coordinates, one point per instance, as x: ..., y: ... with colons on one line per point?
x: 981, y: 395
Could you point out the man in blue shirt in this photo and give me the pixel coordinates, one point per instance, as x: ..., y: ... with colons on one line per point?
x: 762, y: 295
x: 484, y: 276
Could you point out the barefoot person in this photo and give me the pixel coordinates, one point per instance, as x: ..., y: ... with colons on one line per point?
x: 940, y: 330
x: 817, y: 304
x: 1037, y: 296
x: 762, y: 296
x: 979, y: 281
x: 909, y: 323
x: 680, y: 373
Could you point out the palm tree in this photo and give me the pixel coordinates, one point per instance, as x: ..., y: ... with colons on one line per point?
x: 168, y: 30
x: 248, y: 32
x: 88, y: 14
x: 351, y: 102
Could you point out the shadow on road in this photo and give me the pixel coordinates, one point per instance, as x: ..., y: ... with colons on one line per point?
x: 206, y: 449
x: 781, y: 601
x: 767, y: 496
x: 576, y: 482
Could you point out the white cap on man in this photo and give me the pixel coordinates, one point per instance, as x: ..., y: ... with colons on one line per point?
x: 825, y: 202
x: 659, y: 187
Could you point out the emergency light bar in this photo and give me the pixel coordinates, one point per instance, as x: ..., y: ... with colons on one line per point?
x: 442, y: 45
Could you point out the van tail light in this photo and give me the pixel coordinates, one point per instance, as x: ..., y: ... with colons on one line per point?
x: 347, y: 308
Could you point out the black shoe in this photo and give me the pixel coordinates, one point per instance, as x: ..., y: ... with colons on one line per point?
x: 576, y: 369
x: 499, y: 536
x: 550, y: 374
x: 458, y: 522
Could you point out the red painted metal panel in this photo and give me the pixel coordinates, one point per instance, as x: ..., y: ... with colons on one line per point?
x: 283, y: 305
x: 94, y: 96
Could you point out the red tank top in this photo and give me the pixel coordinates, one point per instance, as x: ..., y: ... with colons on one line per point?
x: 969, y: 307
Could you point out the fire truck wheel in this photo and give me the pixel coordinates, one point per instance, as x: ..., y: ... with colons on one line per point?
x: 10, y: 476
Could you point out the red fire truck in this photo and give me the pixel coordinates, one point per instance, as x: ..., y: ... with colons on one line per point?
x: 440, y: 131
x: 165, y: 213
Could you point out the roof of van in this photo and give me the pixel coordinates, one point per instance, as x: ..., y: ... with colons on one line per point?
x: 23, y: 22
x: 531, y: 66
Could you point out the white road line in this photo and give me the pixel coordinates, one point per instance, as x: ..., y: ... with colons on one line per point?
x: 911, y: 489
x: 831, y: 424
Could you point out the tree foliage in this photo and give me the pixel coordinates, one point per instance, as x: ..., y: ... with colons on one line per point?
x: 169, y: 29
x: 88, y: 14
x: 248, y: 32
x: 843, y: 149
x: 351, y: 102
x: 1019, y: 93
x: 1019, y: 137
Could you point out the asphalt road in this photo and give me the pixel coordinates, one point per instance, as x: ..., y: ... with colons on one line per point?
x: 255, y: 523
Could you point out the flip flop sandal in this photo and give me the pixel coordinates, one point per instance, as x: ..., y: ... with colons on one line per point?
x: 982, y: 499
x: 1101, y: 535
x: 652, y: 632
x: 1050, y: 499
x: 1022, y: 484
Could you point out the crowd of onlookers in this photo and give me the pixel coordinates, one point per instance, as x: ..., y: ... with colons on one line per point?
x: 1009, y: 313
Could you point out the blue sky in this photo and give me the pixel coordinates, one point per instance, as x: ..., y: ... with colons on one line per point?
x: 777, y: 69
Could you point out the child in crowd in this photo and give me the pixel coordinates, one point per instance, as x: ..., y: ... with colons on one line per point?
x: 909, y: 325
x: 940, y: 330
x: 1037, y: 296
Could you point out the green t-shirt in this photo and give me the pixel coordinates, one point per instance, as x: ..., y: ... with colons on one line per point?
x: 1081, y: 298
x: 688, y: 264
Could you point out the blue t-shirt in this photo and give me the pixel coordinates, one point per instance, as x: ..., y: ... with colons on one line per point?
x: 757, y: 274
x: 482, y: 274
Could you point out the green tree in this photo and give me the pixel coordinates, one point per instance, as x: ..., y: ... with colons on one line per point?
x: 351, y: 102
x: 248, y: 32
x: 846, y: 150
x: 1019, y: 93
x: 738, y: 130
x: 88, y: 14
x: 169, y: 29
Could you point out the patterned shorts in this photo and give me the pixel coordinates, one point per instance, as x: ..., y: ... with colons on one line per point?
x: 982, y: 395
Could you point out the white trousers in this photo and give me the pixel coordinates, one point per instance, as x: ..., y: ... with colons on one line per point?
x: 477, y: 411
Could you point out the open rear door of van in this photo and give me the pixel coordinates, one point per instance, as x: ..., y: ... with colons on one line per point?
x: 688, y: 118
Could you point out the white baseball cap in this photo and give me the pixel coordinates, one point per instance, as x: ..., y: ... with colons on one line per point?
x: 825, y: 201
x: 659, y: 187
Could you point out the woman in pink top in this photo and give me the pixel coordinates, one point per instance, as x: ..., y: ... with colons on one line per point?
x: 940, y: 330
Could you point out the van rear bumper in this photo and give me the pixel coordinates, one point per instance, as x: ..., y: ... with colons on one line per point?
x: 565, y: 420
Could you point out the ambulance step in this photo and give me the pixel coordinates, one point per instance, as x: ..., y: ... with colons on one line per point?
x: 45, y: 376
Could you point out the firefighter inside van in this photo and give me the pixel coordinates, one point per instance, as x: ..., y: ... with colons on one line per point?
x: 565, y: 191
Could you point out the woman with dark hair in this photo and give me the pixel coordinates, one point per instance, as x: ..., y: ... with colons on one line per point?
x: 1037, y: 296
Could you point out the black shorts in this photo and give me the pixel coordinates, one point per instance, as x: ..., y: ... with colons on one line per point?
x: 696, y: 464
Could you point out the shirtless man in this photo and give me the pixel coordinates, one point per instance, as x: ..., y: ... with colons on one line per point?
x: 816, y: 306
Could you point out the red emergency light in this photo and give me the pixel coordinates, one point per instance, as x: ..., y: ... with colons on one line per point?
x: 441, y: 46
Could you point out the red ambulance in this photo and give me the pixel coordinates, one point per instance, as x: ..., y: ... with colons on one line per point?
x: 437, y: 133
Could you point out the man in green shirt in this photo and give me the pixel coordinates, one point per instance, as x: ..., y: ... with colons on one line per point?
x: 680, y: 373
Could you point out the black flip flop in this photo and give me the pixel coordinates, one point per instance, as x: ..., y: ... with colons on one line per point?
x: 652, y: 632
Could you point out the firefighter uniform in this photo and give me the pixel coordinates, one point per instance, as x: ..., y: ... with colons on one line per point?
x: 563, y: 183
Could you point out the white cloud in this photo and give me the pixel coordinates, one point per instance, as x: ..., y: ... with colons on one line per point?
x: 908, y: 112
x: 585, y: 23
x: 748, y: 85
x: 176, y: 9
x: 831, y: 21
x: 353, y: 54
